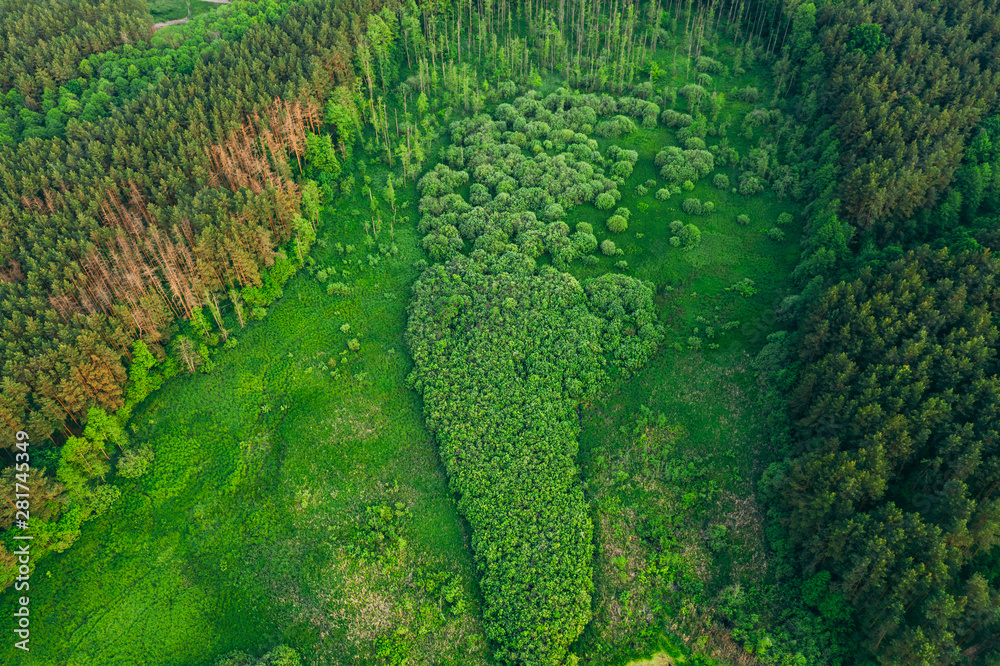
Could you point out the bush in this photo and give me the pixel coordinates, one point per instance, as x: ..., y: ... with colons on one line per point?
x: 691, y: 206
x: 688, y: 185
x: 608, y: 247
x: 748, y: 94
x: 663, y: 194
x: 676, y: 226
x: 750, y: 185
x: 743, y: 220
x: 721, y: 181
x: 554, y: 211
x: 624, y: 212
x: 605, y: 201
x: 615, y: 128
x: 785, y: 219
x: 707, y: 208
x: 621, y: 265
x: 690, y: 236
x: 617, y: 224
x: 775, y: 234
x: 338, y: 289
x: 675, y: 241
x: 353, y: 344
x: 584, y: 228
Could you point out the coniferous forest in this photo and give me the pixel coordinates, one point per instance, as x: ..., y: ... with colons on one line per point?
x: 557, y: 332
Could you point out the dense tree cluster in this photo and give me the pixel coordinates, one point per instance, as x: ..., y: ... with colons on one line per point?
x: 515, y: 199
x: 892, y: 483
x: 45, y: 41
x: 893, y: 92
x: 127, y: 222
x: 504, y: 353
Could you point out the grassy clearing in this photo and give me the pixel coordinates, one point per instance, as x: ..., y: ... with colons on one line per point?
x: 671, y: 456
x: 263, y: 520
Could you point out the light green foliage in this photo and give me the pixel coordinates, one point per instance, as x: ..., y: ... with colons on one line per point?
x: 617, y: 224
x: 608, y: 247
x: 663, y: 194
x: 690, y: 236
x: 692, y: 206
x: 775, y: 234
x: 721, y: 181
x: 745, y: 287
x: 675, y: 241
x: 743, y: 220
x: 676, y: 226
x: 507, y: 431
x: 605, y: 201
x: 785, y: 219
x: 135, y: 463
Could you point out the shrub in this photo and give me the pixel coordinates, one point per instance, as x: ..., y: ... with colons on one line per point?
x: 694, y: 342
x: 775, y: 234
x: 554, y: 211
x: 743, y: 220
x: 584, y: 228
x: 688, y: 185
x: 675, y: 241
x: 690, y: 236
x: 676, y: 226
x: 785, y: 219
x: 706, y: 64
x: 641, y: 190
x: 608, y: 247
x: 691, y: 206
x: 617, y: 224
x: 750, y: 185
x: 748, y: 94
x: 745, y: 287
x: 624, y: 212
x: 589, y: 260
x: 353, y: 344
x: 663, y: 194
x: 721, y: 181
x: 708, y: 208
x: 615, y: 128
x: 135, y: 462
x: 338, y: 289
x: 621, y: 265
x: 605, y: 201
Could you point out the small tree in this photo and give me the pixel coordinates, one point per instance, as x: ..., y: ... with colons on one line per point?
x: 605, y: 201
x: 608, y: 247
x: 692, y: 206
x: 617, y: 224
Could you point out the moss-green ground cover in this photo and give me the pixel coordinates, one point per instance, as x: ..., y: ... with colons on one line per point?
x: 253, y: 527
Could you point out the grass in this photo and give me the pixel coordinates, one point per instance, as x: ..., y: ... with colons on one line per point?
x: 703, y: 406
x: 249, y: 530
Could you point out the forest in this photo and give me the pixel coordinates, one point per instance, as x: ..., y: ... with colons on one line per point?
x: 475, y: 332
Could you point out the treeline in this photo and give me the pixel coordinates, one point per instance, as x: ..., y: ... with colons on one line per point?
x: 884, y: 511
x: 184, y: 198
